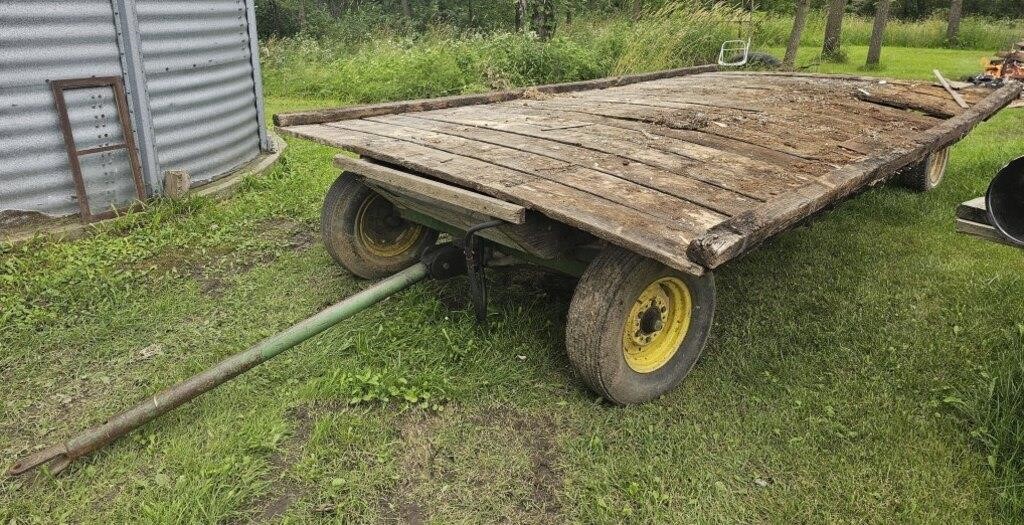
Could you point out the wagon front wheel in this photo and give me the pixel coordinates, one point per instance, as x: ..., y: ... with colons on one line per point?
x: 364, y: 232
x: 636, y: 327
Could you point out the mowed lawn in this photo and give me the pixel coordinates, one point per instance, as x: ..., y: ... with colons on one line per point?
x: 829, y: 391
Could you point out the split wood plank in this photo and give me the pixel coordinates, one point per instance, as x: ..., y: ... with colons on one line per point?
x: 690, y: 216
x: 901, y: 98
x: 703, y: 194
x: 744, y: 232
x: 949, y: 89
x: 752, y: 178
x: 389, y: 108
x: 641, y: 233
x: 772, y: 138
x: 748, y: 151
x: 404, y: 182
x: 822, y: 127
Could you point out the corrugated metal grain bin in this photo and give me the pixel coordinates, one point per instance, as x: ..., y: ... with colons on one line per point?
x: 189, y: 72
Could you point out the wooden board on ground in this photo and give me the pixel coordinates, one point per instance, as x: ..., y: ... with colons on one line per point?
x: 972, y: 219
x: 691, y: 168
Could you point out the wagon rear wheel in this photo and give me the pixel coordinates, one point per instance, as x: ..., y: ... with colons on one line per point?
x: 364, y: 233
x: 637, y: 327
x: 928, y: 174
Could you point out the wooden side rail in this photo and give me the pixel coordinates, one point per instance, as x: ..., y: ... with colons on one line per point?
x: 320, y: 116
x: 403, y: 182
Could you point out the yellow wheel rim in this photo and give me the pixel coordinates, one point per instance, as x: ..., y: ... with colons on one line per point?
x: 657, y: 324
x: 936, y: 166
x: 382, y: 231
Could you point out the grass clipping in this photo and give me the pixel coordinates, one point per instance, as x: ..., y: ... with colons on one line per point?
x: 679, y: 34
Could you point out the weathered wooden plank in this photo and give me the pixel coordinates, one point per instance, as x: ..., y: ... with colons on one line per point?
x: 641, y: 233
x: 743, y: 232
x: 982, y: 230
x: 732, y: 172
x: 821, y: 126
x: 706, y: 195
x: 762, y: 135
x: 600, y: 185
x: 751, y: 152
x: 949, y: 89
x: 320, y: 116
x: 973, y: 210
x: 899, y: 98
x: 404, y: 182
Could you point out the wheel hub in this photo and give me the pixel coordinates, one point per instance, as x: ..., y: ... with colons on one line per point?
x: 657, y: 324
x: 383, y: 232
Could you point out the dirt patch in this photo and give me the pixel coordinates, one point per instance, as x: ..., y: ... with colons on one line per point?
x: 285, y: 491
x: 398, y: 506
x: 537, y: 434
x: 291, y: 233
x: 214, y: 267
x: 499, y: 461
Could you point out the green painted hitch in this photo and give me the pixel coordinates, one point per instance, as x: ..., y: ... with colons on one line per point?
x: 62, y: 454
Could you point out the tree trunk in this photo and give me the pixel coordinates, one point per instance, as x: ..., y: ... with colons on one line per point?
x: 834, y: 29
x: 799, y: 21
x: 878, y: 31
x: 406, y: 10
x: 520, y: 15
x: 544, y: 19
x: 956, y: 11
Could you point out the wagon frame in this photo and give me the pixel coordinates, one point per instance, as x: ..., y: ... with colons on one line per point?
x: 641, y: 185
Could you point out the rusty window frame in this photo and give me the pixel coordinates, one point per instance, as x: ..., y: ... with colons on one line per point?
x: 116, y: 84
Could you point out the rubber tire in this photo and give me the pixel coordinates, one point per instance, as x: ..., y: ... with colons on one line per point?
x: 597, y: 315
x: 759, y: 59
x: 917, y: 177
x: 338, y: 227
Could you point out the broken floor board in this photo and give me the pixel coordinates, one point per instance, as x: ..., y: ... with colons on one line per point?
x: 658, y: 239
x: 746, y: 150
x: 816, y: 117
x: 600, y: 185
x: 753, y: 134
x: 906, y: 97
x: 832, y: 128
x: 749, y: 177
x: 712, y: 197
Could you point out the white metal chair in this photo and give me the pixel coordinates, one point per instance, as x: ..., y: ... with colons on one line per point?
x: 736, y: 53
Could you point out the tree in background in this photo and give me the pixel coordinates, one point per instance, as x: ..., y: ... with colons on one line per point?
x: 834, y: 30
x: 543, y: 19
x: 520, y: 15
x: 956, y: 11
x: 878, y: 31
x: 799, y: 21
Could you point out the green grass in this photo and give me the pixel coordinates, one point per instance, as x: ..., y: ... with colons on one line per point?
x: 446, y: 60
x: 897, y: 62
x: 857, y: 371
x: 975, y: 32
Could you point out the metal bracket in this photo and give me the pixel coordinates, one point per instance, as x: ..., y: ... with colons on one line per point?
x: 474, y: 250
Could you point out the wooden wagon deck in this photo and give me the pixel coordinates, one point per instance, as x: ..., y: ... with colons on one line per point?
x: 691, y: 170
